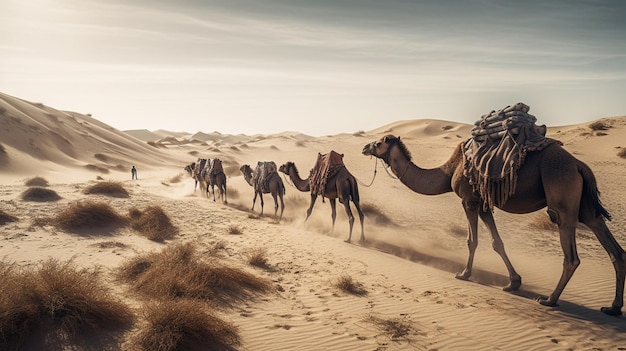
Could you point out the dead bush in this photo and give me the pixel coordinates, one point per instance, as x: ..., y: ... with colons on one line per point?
x: 346, y: 284
x: 180, y: 272
x: 87, y: 215
x: 257, y: 257
x: 36, y: 181
x: 599, y: 125
x: 622, y: 152
x: 113, y: 189
x: 394, y: 328
x: 184, y: 325
x: 153, y: 223
x: 6, y: 218
x: 235, y: 230
x: 176, y: 178
x: 39, y: 194
x: 64, y: 301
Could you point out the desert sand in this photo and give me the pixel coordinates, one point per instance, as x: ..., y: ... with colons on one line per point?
x: 415, y: 243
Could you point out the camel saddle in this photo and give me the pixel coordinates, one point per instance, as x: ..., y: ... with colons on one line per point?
x: 326, y: 166
x: 499, y: 143
x: 214, y: 166
x: 262, y: 174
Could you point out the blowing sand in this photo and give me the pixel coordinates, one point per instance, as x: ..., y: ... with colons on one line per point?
x: 407, y: 298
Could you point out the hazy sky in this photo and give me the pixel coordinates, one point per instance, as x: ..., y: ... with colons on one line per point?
x: 314, y: 66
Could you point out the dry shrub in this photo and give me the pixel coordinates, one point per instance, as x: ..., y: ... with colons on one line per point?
x: 66, y: 301
x: 153, y: 223
x: 233, y: 229
x: 257, y: 257
x: 36, y: 181
x: 622, y: 152
x: 360, y: 133
x: 394, y: 328
x: 346, y: 284
x: 184, y: 325
x: 87, y: 215
x: 599, y: 125
x: 39, y: 194
x: 114, y: 189
x: 6, y: 218
x: 180, y: 272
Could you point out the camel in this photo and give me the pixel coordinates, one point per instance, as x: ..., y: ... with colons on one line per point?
x: 197, y: 174
x: 273, y: 185
x: 213, y: 175
x: 341, y: 185
x: 551, y: 178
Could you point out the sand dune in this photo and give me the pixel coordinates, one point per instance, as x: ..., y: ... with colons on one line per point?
x: 415, y: 243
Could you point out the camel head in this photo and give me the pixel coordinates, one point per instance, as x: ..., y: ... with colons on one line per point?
x: 286, y: 168
x: 382, y: 147
x: 247, y: 171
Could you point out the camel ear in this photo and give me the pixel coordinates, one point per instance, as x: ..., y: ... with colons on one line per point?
x: 398, y: 137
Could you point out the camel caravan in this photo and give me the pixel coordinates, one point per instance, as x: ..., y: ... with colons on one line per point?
x: 208, y: 173
x: 507, y: 163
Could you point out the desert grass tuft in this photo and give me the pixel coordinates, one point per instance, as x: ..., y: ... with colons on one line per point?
x: 153, y: 223
x: 87, y: 215
x: 394, y: 328
x: 176, y: 179
x: 67, y: 301
x: 235, y: 230
x: 114, y: 189
x: 348, y: 285
x: 6, y: 218
x: 257, y: 257
x: 184, y: 325
x: 599, y: 125
x: 36, y: 181
x: 39, y: 194
x: 622, y: 152
x: 180, y: 272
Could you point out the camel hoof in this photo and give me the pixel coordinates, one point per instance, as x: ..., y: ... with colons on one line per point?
x: 514, y: 285
x: 462, y: 276
x: 347, y: 241
x: 612, y: 311
x: 545, y: 302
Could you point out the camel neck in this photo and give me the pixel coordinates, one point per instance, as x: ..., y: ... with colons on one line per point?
x: 432, y: 181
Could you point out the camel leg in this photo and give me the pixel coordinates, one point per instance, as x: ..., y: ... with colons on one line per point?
x: 333, y: 214
x: 498, y: 246
x: 346, y: 205
x: 262, y: 202
x: 567, y: 234
x: 618, y: 257
x: 361, y: 217
x: 275, y: 196
x: 254, y: 201
x: 471, y: 212
x: 282, y: 206
x: 310, y: 209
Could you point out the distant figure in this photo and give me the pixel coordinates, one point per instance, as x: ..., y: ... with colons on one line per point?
x: 133, y: 173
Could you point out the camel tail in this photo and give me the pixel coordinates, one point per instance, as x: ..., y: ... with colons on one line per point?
x: 591, y: 192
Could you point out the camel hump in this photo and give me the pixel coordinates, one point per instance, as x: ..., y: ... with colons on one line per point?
x: 325, y: 167
x: 263, y: 173
x: 499, y: 143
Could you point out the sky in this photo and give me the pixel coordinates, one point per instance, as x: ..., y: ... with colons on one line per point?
x: 320, y: 67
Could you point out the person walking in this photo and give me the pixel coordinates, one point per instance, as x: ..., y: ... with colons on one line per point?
x: 133, y: 173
